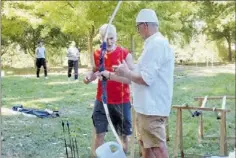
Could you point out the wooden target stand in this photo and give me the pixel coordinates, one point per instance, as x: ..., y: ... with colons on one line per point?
x: 202, y: 107
x: 179, y: 125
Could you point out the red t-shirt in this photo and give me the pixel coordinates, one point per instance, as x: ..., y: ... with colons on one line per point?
x: 117, y: 92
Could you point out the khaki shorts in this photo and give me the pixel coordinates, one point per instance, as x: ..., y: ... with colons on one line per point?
x: 151, y: 130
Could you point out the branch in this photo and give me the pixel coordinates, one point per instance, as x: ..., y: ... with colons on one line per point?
x: 3, y: 52
x: 29, y: 52
x: 70, y: 5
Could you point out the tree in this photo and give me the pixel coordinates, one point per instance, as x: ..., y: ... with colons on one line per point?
x: 58, y: 23
x: 220, y: 22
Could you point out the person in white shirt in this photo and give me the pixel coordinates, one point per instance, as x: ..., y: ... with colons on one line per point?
x: 40, y: 54
x: 152, y: 85
x: 73, y: 57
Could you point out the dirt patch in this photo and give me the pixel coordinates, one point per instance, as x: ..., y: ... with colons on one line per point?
x: 205, y: 71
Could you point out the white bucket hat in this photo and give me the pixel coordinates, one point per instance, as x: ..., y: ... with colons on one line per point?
x: 147, y: 15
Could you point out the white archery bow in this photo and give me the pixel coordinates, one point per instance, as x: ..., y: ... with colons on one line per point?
x: 105, y: 105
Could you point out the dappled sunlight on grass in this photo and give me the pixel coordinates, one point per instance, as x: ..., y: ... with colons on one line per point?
x: 185, y: 88
x: 38, y: 103
x: 87, y: 94
x: 9, y: 72
x: 59, y: 83
x: 8, y: 111
x: 206, y: 71
x: 9, y: 99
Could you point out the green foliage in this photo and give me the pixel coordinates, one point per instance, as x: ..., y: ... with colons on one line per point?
x: 220, y: 22
x: 220, y: 45
x: 59, y: 22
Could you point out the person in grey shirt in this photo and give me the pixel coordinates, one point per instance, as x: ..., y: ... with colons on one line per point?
x: 40, y: 54
x: 73, y: 56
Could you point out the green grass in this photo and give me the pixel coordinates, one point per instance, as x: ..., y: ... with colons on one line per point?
x: 27, y: 137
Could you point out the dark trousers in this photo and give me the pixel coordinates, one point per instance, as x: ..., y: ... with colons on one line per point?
x: 73, y: 64
x: 41, y: 62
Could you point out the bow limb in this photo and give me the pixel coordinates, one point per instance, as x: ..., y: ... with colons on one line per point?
x: 102, y: 68
x: 111, y: 19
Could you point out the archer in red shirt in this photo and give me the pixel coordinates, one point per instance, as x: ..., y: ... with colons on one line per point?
x: 118, y: 91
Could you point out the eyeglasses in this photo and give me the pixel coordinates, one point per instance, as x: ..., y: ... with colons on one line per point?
x: 137, y: 26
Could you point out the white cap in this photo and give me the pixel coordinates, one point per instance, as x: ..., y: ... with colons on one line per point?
x: 111, y: 30
x: 146, y: 15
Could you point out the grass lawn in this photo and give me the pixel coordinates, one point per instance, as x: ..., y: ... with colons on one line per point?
x: 29, y: 137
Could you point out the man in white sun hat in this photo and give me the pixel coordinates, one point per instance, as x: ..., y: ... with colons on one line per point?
x: 152, y: 85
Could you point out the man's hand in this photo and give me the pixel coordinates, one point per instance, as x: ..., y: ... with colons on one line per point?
x: 122, y: 70
x: 91, y: 77
x: 86, y: 80
x: 106, y: 74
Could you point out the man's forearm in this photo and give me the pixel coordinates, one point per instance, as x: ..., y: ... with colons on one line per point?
x: 116, y: 78
x: 135, y: 77
x: 88, y: 78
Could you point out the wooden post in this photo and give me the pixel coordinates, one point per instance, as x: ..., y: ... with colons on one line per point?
x: 202, y: 103
x: 176, y: 146
x: 214, y: 97
x: 200, y: 125
x: 223, y: 140
x: 224, y: 103
x: 92, y: 151
x: 167, y: 130
x: 179, y: 135
x: 223, y: 137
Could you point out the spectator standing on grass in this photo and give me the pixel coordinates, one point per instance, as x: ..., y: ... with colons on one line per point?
x: 73, y: 57
x: 40, y: 54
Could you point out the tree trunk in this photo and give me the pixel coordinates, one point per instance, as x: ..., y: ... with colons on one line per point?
x: 3, y: 51
x: 90, y: 51
x: 228, y: 39
x: 91, y: 64
x: 29, y: 51
x: 230, y: 51
x: 62, y: 59
x: 132, y: 46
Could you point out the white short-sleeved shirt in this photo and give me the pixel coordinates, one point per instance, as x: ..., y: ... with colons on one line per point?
x: 40, y: 52
x: 156, y: 66
x: 73, y: 53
